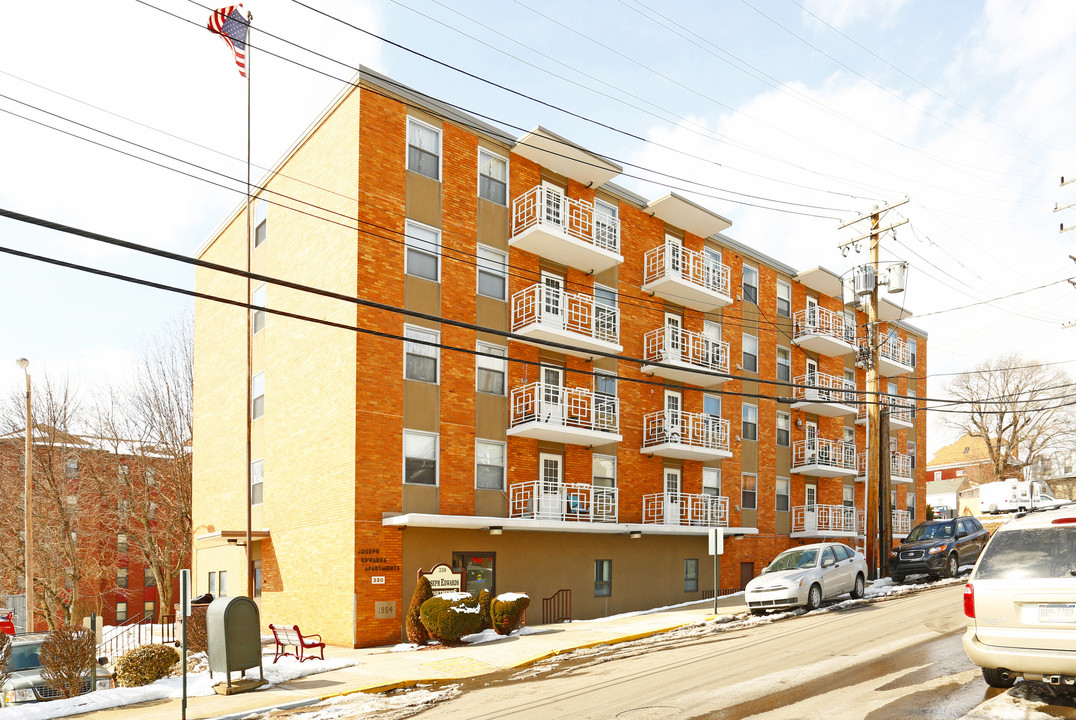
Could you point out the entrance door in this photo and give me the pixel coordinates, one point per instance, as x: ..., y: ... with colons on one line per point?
x: 552, y: 400
x: 550, y: 469
x: 673, y: 340
x: 554, y: 204
x: 711, y: 354
x: 747, y: 573
x: 478, y: 570
x: 811, y: 446
x: 810, y: 508
x: 812, y: 315
x: 812, y: 379
x: 553, y: 300
x: 674, y: 252
x: 674, y: 430
x: 672, y: 496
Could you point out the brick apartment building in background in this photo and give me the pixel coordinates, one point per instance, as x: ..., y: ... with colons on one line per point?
x: 80, y: 495
x: 596, y: 465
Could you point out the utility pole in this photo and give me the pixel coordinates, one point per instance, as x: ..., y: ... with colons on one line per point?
x: 878, y: 534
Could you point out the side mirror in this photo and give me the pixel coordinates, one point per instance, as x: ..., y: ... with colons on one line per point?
x: 960, y: 534
x: 828, y: 562
x: 102, y: 661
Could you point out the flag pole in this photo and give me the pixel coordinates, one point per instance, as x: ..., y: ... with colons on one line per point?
x: 250, y: 338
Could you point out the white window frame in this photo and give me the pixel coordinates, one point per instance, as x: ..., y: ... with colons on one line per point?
x: 743, y: 478
x: 787, y: 365
x: 257, y: 392
x: 714, y: 473
x: 787, y: 417
x: 495, y: 267
x: 747, y: 409
x: 744, y: 353
x: 422, y: 351
x: 436, y: 457
x: 503, y: 465
x: 257, y: 315
x: 483, y: 362
x: 440, y: 147
x: 484, y: 152
x: 787, y: 290
x: 913, y: 347
x: 787, y: 494
x: 594, y: 466
x: 414, y: 244
x: 911, y: 454
x: 257, y: 481
x: 261, y: 218
x: 749, y: 270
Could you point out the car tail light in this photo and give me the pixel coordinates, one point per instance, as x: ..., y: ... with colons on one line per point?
x: 1064, y: 521
x: 969, y: 600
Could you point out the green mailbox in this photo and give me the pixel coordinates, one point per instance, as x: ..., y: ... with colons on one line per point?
x: 233, y: 630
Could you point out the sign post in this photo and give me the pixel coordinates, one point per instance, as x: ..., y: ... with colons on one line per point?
x: 185, y: 613
x: 717, y: 548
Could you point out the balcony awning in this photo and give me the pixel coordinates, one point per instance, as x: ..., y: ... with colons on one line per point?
x: 686, y: 215
x: 564, y: 157
x: 478, y: 522
x: 236, y: 535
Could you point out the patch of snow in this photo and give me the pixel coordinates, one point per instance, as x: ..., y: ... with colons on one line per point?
x: 455, y: 596
x: 510, y: 596
x: 657, y: 609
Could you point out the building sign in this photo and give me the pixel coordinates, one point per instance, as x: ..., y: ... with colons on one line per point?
x: 373, y: 561
x: 443, y: 580
x: 377, y: 580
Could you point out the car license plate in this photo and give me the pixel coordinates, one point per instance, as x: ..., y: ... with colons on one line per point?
x: 1057, y: 613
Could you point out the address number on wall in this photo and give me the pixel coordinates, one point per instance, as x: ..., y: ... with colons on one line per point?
x: 377, y: 580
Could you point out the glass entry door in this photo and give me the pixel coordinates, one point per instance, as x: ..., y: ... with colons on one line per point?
x: 478, y: 570
x: 672, y: 496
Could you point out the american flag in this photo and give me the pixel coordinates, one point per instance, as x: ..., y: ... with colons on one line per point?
x: 229, y: 23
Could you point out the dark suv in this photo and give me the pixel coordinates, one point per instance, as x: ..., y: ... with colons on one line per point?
x: 938, y: 548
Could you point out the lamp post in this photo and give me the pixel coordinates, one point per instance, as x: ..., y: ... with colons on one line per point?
x: 29, y: 533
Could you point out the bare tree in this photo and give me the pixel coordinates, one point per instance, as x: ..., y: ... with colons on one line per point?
x: 1019, y: 408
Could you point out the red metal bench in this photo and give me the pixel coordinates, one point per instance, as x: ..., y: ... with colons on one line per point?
x: 289, y: 636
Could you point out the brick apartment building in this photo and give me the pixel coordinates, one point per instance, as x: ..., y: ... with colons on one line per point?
x: 82, y: 491
x: 527, y: 467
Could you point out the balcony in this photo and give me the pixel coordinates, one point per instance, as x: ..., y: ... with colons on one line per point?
x: 824, y: 458
x: 823, y: 331
x: 894, y: 356
x: 687, y: 357
x: 541, y: 312
x: 830, y: 396
x: 901, y: 522
x: 900, y: 413
x: 686, y: 278
x: 900, y: 468
x: 824, y: 521
x: 565, y: 230
x: 566, y: 415
x: 575, y: 502
x: 684, y: 435
x: 685, y: 509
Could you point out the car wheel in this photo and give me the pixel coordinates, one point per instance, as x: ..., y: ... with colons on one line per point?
x: 897, y: 578
x: 758, y: 612
x: 859, y: 589
x: 814, y: 597
x: 997, y: 678
x: 951, y: 566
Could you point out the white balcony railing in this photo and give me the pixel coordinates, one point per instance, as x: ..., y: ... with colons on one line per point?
x: 576, y: 502
x: 694, y: 268
x: 550, y: 209
x: 900, y: 410
x: 824, y: 388
x: 896, y: 350
x: 682, y: 347
x: 542, y: 306
x: 827, y: 327
x: 900, y: 466
x: 824, y: 519
x: 839, y: 457
x: 901, y: 522
x: 568, y: 407
x: 686, y: 509
x: 676, y: 427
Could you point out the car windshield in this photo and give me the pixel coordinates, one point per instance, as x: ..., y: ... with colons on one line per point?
x: 24, y: 657
x: 935, y: 531
x: 792, y: 559
x: 1033, y: 553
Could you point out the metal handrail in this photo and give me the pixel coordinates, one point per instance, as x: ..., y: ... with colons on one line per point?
x: 824, y: 518
x: 696, y: 268
x: 563, y: 310
x: 578, y: 502
x: 831, y: 453
x: 686, y: 509
x: 577, y: 218
x: 565, y: 406
x: 676, y: 345
x: 820, y: 321
x: 683, y: 428
x: 824, y: 388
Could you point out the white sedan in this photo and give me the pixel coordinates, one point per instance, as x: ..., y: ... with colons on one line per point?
x: 807, y: 575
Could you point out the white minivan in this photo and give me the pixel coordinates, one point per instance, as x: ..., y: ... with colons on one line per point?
x: 1020, y: 601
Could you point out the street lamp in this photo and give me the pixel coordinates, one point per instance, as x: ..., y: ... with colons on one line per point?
x: 28, y: 623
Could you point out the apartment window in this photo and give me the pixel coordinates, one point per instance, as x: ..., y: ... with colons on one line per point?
x: 22, y: 463
x: 121, y: 612
x: 711, y: 481
x: 784, y: 299
x: 420, y: 458
x: 750, y: 284
x: 123, y: 472
x: 911, y: 454
x: 606, y: 323
x: 71, y: 467
x: 960, y: 473
x: 910, y: 503
x: 72, y: 504
x: 848, y: 498
x: 423, y: 149
x: 691, y: 575
x: 151, y: 513
x: 149, y: 609
x: 211, y: 584
x: 849, y: 436
x: 492, y: 273
x: 603, y: 578
x: 490, y: 372
x: 489, y: 465
x: 121, y: 577
x: 257, y: 394
x: 223, y: 583
x: 603, y: 471
x: 492, y: 177
x: 750, y: 353
x: 911, y: 404
x: 147, y: 577
x: 257, y: 578
x: 257, y: 318
x: 784, y: 364
x: 150, y: 477
x: 781, y: 489
x: 261, y: 221
x: 750, y: 422
x: 937, y: 474
x: 421, y: 360
x: 605, y: 416
x: 911, y: 349
x: 121, y: 542
x: 749, y: 491
x: 784, y: 429
x: 257, y: 475
x: 606, y: 227
x: 423, y: 245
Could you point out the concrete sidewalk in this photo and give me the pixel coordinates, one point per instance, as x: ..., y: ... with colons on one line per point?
x: 378, y: 669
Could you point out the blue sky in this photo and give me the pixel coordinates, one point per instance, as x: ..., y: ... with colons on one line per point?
x: 825, y: 107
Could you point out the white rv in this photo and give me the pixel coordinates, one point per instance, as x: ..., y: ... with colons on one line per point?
x: 1013, y: 495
